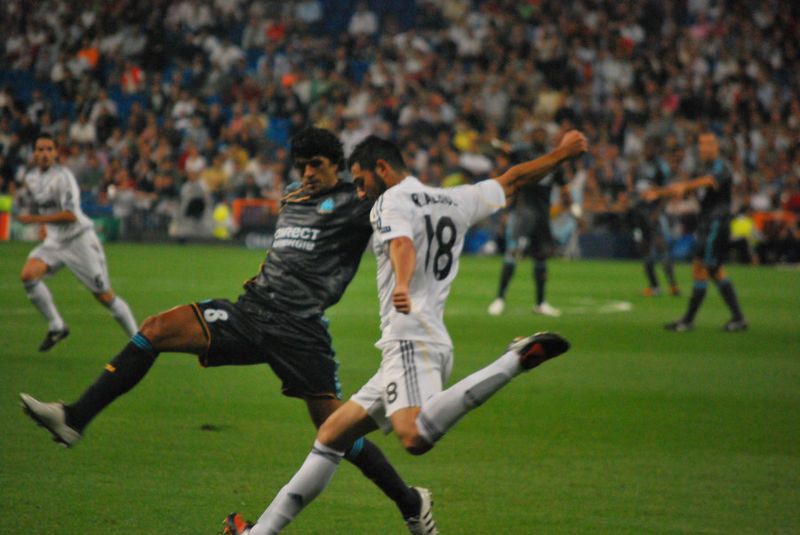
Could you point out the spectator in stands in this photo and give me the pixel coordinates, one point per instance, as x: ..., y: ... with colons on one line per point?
x: 83, y: 132
x: 363, y: 22
x: 618, y: 73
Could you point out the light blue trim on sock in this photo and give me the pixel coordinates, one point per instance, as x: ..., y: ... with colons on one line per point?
x: 355, y: 449
x: 700, y: 285
x: 142, y: 343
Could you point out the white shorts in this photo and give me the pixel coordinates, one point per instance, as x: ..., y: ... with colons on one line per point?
x: 83, y: 255
x: 411, y: 372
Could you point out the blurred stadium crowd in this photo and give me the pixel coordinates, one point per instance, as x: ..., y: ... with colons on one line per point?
x: 159, y: 103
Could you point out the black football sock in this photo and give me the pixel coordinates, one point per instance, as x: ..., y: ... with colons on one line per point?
x: 539, y: 278
x: 669, y: 270
x: 119, y: 376
x: 698, y: 294
x: 650, y: 272
x: 373, y: 464
x: 505, y: 278
x: 725, y: 287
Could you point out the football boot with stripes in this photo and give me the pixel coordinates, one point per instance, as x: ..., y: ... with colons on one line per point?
x: 423, y: 523
x: 52, y: 338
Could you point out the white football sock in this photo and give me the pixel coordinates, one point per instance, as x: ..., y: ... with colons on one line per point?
x: 122, y: 313
x: 42, y: 299
x: 307, y: 484
x: 445, y: 409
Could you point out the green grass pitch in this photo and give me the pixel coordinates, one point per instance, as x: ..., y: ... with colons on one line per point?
x: 635, y: 430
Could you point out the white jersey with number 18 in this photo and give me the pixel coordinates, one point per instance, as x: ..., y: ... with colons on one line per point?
x: 436, y: 220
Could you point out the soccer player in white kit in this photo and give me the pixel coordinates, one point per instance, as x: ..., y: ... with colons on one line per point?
x: 418, y: 235
x: 71, y: 241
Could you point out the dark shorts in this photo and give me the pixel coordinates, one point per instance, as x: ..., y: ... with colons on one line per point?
x: 651, y: 230
x: 298, y: 350
x: 713, y: 238
x: 529, y: 232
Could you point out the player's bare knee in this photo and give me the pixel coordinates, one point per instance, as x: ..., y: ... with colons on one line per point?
x: 28, y: 277
x: 415, y: 444
x: 153, y: 328
x: 325, y: 434
x: 328, y: 435
x: 412, y: 441
x: 105, y: 298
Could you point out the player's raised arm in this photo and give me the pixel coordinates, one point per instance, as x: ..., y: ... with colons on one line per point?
x: 678, y: 189
x: 65, y: 216
x: 572, y: 144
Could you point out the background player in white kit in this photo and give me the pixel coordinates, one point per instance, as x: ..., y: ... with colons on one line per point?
x: 71, y: 241
x: 418, y: 235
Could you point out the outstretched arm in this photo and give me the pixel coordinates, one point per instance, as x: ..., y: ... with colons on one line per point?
x: 404, y: 260
x: 572, y: 144
x: 680, y: 188
x: 64, y: 216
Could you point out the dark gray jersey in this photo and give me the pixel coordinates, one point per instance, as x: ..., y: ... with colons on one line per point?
x: 715, y: 202
x: 536, y: 198
x: 318, y: 243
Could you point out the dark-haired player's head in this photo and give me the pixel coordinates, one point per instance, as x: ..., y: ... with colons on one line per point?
x: 312, y: 141
x: 44, y: 151
x: 317, y: 156
x: 372, y: 161
x: 708, y: 146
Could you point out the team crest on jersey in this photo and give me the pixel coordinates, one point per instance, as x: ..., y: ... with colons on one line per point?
x: 326, y: 206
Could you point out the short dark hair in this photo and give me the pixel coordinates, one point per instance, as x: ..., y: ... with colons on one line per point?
x: 44, y: 135
x: 368, y: 152
x: 312, y: 141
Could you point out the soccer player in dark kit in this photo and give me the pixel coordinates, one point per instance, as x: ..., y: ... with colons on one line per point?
x: 651, y: 228
x: 528, y: 226
x: 713, y: 189
x: 322, y: 230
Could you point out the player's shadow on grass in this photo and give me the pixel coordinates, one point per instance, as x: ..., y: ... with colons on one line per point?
x: 215, y: 428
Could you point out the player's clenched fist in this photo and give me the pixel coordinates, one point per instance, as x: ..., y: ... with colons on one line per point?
x: 574, y: 142
x: 401, y: 299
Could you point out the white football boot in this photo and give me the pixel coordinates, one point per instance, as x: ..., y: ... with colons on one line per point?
x: 497, y: 307
x: 51, y: 416
x: 545, y: 309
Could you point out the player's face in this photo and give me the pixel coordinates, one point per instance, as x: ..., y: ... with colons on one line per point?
x: 708, y: 147
x: 318, y: 173
x: 369, y: 185
x: 44, y: 153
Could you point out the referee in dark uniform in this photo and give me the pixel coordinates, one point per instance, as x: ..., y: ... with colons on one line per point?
x: 321, y: 233
x: 713, y: 189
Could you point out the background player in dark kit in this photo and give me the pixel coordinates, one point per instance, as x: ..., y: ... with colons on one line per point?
x: 528, y: 226
x: 649, y: 220
x: 713, y: 189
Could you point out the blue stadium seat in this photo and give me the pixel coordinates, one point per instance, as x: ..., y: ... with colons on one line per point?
x: 278, y: 131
